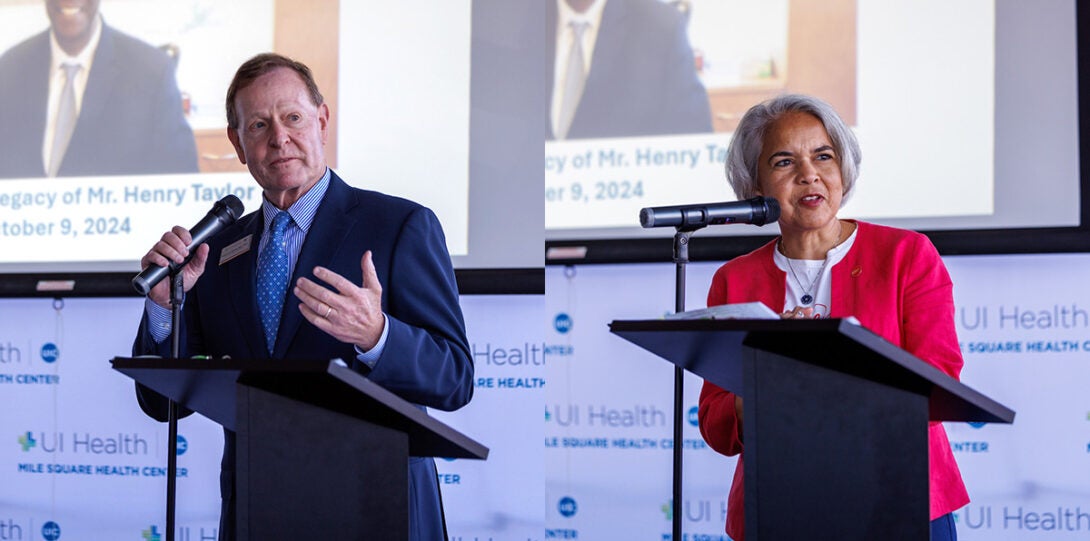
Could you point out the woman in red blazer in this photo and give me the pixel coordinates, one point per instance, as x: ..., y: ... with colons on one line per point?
x: 797, y: 149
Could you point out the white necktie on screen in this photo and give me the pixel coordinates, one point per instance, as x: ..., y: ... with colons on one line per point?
x: 574, y: 80
x: 66, y: 119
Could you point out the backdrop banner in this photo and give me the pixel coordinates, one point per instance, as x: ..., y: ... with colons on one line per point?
x: 83, y: 462
x: 1024, y: 327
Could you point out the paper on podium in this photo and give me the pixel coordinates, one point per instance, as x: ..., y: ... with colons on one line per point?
x: 742, y: 310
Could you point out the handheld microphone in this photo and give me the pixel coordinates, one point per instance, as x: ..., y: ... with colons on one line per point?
x: 223, y: 214
x: 756, y: 211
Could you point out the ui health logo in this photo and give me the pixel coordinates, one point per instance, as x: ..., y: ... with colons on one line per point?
x: 50, y: 352
x: 183, y: 533
x: 12, y: 354
x: 51, y: 531
x: 10, y: 529
x: 567, y: 506
x: 151, y: 534
x: 26, y: 441
x: 562, y: 323
x: 696, y: 511
x: 131, y: 444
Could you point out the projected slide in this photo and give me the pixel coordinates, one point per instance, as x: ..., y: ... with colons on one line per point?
x: 94, y: 166
x: 924, y: 109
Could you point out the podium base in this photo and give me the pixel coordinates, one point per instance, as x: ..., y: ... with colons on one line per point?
x: 831, y: 454
x: 294, y: 489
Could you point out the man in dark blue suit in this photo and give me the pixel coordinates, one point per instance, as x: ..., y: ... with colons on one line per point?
x: 130, y: 118
x: 641, y: 78
x: 371, y: 279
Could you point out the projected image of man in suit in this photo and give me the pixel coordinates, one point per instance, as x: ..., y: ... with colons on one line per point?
x: 371, y: 280
x: 620, y: 68
x: 83, y: 99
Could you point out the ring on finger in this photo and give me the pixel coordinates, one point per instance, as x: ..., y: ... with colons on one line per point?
x: 329, y: 310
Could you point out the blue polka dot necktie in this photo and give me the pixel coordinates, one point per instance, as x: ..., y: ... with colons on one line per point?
x: 272, y: 278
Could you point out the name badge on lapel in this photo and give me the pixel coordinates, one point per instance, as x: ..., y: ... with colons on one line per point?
x: 236, y: 249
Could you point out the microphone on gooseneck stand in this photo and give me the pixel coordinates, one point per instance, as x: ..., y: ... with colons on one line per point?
x: 688, y: 219
x: 224, y: 213
x: 756, y: 211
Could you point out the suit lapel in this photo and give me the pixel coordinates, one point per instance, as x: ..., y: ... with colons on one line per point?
x: 608, y: 55
x: 29, y: 108
x: 327, y: 234
x: 240, y: 276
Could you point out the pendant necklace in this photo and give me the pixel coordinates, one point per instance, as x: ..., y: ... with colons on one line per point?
x: 807, y: 296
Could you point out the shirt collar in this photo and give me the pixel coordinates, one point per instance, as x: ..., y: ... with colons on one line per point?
x: 59, y: 57
x: 566, y: 15
x: 302, y: 211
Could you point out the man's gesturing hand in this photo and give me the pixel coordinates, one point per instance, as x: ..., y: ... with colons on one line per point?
x: 351, y: 314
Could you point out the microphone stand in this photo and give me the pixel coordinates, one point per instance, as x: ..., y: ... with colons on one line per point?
x: 681, y: 258
x: 177, y: 295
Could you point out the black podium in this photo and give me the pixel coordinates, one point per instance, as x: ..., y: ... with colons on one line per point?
x: 834, y: 423
x: 321, y: 450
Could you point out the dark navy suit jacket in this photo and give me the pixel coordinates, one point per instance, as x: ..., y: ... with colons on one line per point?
x: 426, y: 359
x: 642, y: 78
x: 131, y: 121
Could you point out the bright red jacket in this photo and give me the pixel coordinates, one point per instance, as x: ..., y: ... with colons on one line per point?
x: 895, y: 284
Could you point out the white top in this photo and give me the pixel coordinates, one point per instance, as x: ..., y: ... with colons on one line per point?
x: 813, y: 277
x: 59, y: 58
x: 565, y: 38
